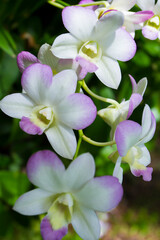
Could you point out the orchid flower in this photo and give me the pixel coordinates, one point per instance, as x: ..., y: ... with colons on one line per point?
x: 132, y: 20
x: 45, y: 56
x: 114, y: 114
x: 68, y: 196
x: 50, y: 105
x: 95, y: 44
x: 130, y: 138
x: 151, y: 28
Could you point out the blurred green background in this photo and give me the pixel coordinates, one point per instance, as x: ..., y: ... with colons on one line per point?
x: 26, y: 25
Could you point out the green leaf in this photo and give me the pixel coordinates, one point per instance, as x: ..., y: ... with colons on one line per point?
x: 7, y: 43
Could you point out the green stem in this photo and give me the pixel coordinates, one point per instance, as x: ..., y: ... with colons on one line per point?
x: 98, y: 144
x: 62, y: 3
x: 56, y: 4
x: 93, y: 4
x: 79, y: 85
x: 79, y: 143
x: 106, y: 100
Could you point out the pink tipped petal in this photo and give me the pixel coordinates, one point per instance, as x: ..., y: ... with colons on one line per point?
x: 25, y: 59
x: 48, y: 233
x: 127, y: 135
x: 64, y: 84
x: 75, y: 19
x: 44, y: 170
x: 150, y: 32
x: 86, y: 65
x: 134, y: 84
x: 86, y: 223
x: 62, y: 139
x: 17, y: 105
x: 66, y: 46
x: 123, y: 4
x: 77, y: 111
x: 34, y: 202
x: 135, y: 100
x: 36, y: 80
x: 123, y: 47
x: 141, y: 16
x: 80, y: 171
x: 101, y: 193
x: 89, y: 7
x: 146, y: 174
x: 29, y: 127
x: 109, y: 72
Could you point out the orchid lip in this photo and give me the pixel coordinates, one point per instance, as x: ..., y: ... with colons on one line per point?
x: 91, y: 51
x: 154, y: 22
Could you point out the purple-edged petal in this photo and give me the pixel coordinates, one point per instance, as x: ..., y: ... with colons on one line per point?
x: 77, y: 111
x: 123, y: 47
x: 81, y: 170
x: 123, y: 4
x: 146, y: 173
x: 89, y: 7
x: 109, y: 72
x: 140, y: 17
x: 62, y: 139
x: 101, y: 193
x: 29, y: 127
x: 48, y: 233
x: 134, y: 84
x: 44, y: 169
x: 66, y: 46
x: 135, y: 100
x: 17, y: 105
x: 25, y: 59
x: 75, y: 19
x: 150, y: 32
x: 45, y: 56
x: 127, y: 135
x: 34, y: 202
x: 86, y: 223
x: 64, y: 84
x: 139, y: 87
x: 86, y: 65
x: 36, y: 80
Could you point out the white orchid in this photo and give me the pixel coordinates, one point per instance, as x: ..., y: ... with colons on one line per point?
x: 95, y: 44
x: 68, y: 196
x: 50, y: 105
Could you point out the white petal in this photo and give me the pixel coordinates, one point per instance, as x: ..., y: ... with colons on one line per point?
x: 81, y: 170
x: 157, y: 8
x: 109, y: 72
x: 66, y: 46
x: 62, y: 139
x: 118, y: 171
x: 123, y: 4
x: 146, y: 158
x: 34, y: 202
x: 17, y: 105
x: 85, y: 222
x: 79, y: 21
x: 146, y: 4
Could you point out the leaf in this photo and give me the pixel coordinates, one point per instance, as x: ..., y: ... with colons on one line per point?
x: 7, y: 43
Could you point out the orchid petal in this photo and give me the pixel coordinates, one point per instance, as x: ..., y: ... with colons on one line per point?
x: 156, y: 8
x: 109, y: 72
x: 127, y: 135
x: 123, y: 4
x: 34, y: 202
x: 48, y: 233
x: 17, y: 105
x: 146, y: 4
x: 36, y: 80
x: 139, y: 87
x: 140, y: 17
x: 86, y: 65
x: 62, y: 139
x: 118, y: 171
x: 66, y: 46
x: 25, y: 59
x: 44, y: 170
x: 77, y: 111
x: 81, y: 170
x: 123, y: 47
x: 146, y: 173
x: 145, y: 159
x: 29, y: 127
x: 85, y: 222
x: 75, y: 19
x: 150, y: 32
x: 46, y: 56
x: 135, y: 100
x: 88, y: 1
x: 101, y: 193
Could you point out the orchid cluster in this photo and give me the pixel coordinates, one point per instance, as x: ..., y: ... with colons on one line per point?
x: 54, y: 102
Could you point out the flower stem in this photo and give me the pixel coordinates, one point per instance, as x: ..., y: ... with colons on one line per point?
x: 58, y: 5
x: 79, y: 85
x: 79, y: 143
x: 107, y: 100
x: 98, y: 144
x: 93, y: 4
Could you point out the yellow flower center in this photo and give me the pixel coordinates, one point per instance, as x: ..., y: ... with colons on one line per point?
x: 91, y: 51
